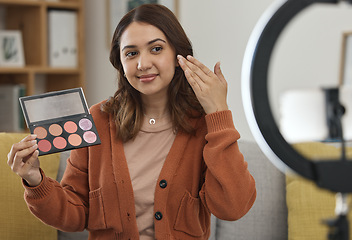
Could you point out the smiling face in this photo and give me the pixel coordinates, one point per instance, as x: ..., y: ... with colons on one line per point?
x: 148, y: 59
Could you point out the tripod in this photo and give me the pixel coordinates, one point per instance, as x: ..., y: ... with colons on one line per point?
x: 338, y: 227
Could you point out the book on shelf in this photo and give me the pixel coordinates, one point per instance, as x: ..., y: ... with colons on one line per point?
x: 62, y: 38
x: 11, y: 117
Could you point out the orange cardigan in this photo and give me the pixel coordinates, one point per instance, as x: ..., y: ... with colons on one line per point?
x: 202, y: 174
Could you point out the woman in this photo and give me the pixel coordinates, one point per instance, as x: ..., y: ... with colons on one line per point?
x: 168, y: 156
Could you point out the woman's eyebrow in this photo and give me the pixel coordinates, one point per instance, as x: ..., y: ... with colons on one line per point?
x: 155, y: 40
x: 150, y: 42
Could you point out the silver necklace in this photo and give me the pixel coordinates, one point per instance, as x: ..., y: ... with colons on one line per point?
x: 152, y: 120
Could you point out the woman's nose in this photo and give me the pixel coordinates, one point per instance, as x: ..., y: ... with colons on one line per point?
x: 144, y: 62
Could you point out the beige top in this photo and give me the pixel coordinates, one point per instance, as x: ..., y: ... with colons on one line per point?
x: 145, y: 157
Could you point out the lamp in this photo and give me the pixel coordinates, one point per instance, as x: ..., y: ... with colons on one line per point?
x: 330, y: 174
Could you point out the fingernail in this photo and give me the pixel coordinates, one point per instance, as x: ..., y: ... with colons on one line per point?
x: 189, y: 57
x: 34, y: 141
x: 37, y: 153
x: 218, y: 65
x: 34, y: 135
x: 35, y: 146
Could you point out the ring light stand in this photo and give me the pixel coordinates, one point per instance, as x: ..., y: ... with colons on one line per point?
x: 329, y: 174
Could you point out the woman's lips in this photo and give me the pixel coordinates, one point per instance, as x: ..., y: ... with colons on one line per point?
x: 147, y: 78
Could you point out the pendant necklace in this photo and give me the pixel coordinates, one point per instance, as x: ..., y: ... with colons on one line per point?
x: 152, y: 120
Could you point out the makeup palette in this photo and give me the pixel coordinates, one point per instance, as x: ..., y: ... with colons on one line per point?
x: 61, y: 120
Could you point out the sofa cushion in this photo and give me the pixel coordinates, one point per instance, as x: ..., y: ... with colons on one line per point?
x: 16, y: 222
x: 308, y: 205
x: 267, y: 220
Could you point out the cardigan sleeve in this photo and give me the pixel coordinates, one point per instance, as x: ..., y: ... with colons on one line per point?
x: 63, y: 206
x: 229, y: 189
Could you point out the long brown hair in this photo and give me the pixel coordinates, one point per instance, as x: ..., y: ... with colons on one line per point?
x: 126, y: 104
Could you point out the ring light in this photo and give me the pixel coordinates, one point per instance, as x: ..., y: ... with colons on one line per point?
x: 330, y: 174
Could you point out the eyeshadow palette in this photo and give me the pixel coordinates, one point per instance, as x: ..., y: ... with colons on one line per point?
x: 61, y: 120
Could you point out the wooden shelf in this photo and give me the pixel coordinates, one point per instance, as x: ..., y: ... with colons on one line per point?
x: 21, y: 2
x: 14, y: 70
x: 64, y: 4
x: 52, y: 4
x: 39, y: 70
x: 31, y: 18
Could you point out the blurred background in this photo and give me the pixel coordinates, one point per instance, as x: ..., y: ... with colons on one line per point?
x: 308, y: 54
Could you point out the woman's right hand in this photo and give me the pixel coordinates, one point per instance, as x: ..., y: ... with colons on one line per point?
x: 23, y: 160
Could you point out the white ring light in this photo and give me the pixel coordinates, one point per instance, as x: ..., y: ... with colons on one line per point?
x: 333, y: 175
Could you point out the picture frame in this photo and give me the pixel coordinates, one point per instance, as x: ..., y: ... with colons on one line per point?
x: 346, y: 59
x: 116, y: 9
x: 11, y: 49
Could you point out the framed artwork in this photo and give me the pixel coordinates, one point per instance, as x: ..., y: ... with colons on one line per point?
x: 346, y: 59
x: 116, y: 9
x: 11, y: 49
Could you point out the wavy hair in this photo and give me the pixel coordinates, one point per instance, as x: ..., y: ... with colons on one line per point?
x: 126, y: 104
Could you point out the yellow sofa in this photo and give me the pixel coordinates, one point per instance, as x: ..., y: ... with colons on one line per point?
x: 308, y: 205
x: 16, y: 221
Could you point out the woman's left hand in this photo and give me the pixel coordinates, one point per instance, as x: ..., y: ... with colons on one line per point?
x: 209, y: 87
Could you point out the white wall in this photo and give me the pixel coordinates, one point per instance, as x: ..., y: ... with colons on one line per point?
x: 219, y: 31
x: 100, y: 75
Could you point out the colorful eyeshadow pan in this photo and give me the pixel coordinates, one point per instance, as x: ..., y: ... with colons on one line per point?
x: 61, y: 120
x: 70, y: 127
x: 55, y: 129
x: 89, y: 137
x: 85, y: 124
x: 40, y: 132
x: 44, y: 145
x: 75, y: 140
x: 59, y: 142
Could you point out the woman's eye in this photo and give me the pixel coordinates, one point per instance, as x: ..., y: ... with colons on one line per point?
x: 156, y: 49
x: 131, y: 54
